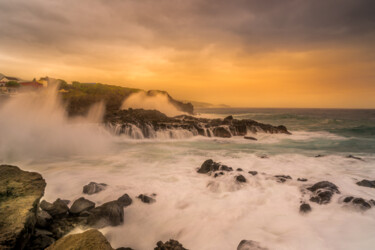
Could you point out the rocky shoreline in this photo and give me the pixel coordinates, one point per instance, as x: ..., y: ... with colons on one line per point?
x: 139, y: 123
x: 27, y: 223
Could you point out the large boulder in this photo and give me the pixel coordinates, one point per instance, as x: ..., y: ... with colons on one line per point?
x: 323, y: 191
x: 81, y: 205
x: 20, y: 192
x: 125, y: 200
x: 169, y: 245
x: 208, y: 166
x: 108, y: 214
x: 55, y: 209
x: 91, y: 239
x: 93, y: 188
x: 250, y: 245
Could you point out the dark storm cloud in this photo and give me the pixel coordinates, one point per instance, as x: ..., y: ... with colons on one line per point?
x: 188, y: 24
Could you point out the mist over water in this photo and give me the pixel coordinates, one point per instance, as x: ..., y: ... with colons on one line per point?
x: 198, y: 210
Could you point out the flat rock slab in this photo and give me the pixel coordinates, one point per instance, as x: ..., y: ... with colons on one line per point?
x: 20, y: 192
x: 91, y: 239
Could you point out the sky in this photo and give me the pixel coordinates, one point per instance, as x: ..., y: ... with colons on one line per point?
x: 243, y: 53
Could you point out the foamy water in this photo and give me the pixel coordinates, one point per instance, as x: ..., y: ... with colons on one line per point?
x: 198, y: 210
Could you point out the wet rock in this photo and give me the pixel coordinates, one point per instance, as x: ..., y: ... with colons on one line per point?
x: 366, y: 183
x: 282, y: 178
x: 208, y: 166
x: 228, y: 118
x: 250, y: 245
x: 348, y: 199
x: 80, y: 205
x: 20, y: 192
x: 91, y: 239
x: 302, y: 179
x: 253, y: 172
x: 239, y: 169
x: 93, y: 188
x: 57, y: 208
x: 221, y: 132
x: 240, y: 178
x: 125, y: 200
x: 305, y: 208
x: 323, y: 191
x: 358, y: 202
x: 40, y: 240
x: 354, y: 157
x: 226, y: 168
x: 169, y: 245
x: 62, y: 225
x: 146, y: 199
x: 43, y: 219
x: 108, y: 214
x: 250, y: 138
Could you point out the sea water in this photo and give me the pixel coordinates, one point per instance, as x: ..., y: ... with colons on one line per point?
x: 198, y: 210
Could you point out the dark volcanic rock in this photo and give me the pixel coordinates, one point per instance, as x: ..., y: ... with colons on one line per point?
x: 250, y: 245
x: 240, y: 178
x: 108, y: 214
x: 322, y: 192
x: 146, y: 199
x: 305, y: 208
x: 57, y: 208
x: 169, y: 245
x: 358, y: 202
x: 302, y: 179
x: 80, y: 205
x: 208, y: 166
x: 366, y: 183
x: 250, y: 138
x: 239, y: 169
x: 125, y: 200
x: 93, y: 188
x: 282, y: 178
x: 20, y: 192
x: 226, y: 168
x: 348, y: 199
x: 253, y: 172
x: 149, y: 121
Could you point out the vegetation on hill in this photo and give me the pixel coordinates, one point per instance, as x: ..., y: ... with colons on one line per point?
x: 12, y: 84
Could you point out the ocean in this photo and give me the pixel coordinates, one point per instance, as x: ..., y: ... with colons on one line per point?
x: 200, y: 211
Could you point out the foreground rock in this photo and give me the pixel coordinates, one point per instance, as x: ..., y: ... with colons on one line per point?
x: 55, y: 209
x: 93, y: 188
x: 250, y: 245
x: 145, y: 123
x: 91, y: 239
x: 108, y: 214
x: 366, y: 183
x: 169, y: 245
x: 20, y: 192
x: 323, y: 191
x: 81, y: 205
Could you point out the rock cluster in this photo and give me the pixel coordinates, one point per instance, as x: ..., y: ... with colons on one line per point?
x: 322, y: 192
x: 169, y: 245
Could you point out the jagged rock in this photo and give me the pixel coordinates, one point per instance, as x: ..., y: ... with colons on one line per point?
x: 146, y: 199
x: 125, y: 200
x: 20, y: 192
x: 282, y: 178
x: 305, y: 208
x: 108, y: 214
x: 322, y: 192
x: 221, y: 132
x: 80, y: 205
x: 43, y: 219
x: 240, y: 178
x: 91, y: 239
x: 366, y: 183
x: 169, y: 245
x: 253, y: 172
x: 122, y: 121
x: 250, y: 138
x: 250, y: 245
x: 354, y: 157
x: 208, y: 166
x: 93, y: 188
x: 57, y: 208
x: 302, y: 179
